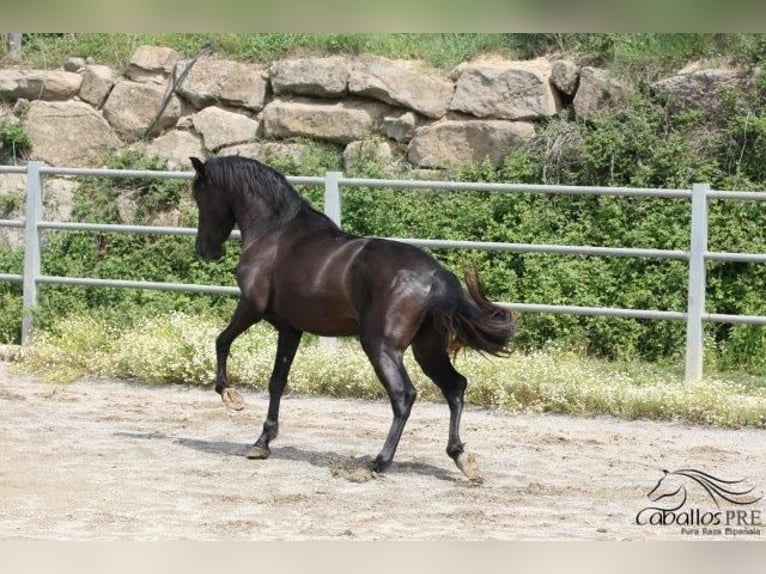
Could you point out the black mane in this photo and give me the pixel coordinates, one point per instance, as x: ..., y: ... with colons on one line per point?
x: 239, y: 175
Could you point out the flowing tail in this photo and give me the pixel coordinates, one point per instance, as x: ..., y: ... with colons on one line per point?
x: 469, y: 319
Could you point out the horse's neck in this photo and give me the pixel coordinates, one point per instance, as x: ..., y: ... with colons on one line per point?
x: 256, y: 218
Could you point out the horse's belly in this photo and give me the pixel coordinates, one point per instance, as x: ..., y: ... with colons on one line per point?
x: 320, y: 316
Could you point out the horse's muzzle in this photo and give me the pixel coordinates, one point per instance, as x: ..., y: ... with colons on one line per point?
x: 210, y: 254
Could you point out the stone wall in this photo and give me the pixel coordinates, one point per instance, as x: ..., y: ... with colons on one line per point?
x: 372, y: 107
x: 409, y: 111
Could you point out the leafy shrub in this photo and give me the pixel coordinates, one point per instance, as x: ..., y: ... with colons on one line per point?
x: 14, y: 142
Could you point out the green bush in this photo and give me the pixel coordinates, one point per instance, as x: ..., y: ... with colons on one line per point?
x: 641, y: 144
x: 14, y: 142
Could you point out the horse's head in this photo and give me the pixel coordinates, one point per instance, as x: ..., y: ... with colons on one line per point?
x: 216, y: 218
x: 668, y: 486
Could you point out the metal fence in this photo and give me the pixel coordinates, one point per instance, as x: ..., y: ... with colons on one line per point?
x: 696, y: 256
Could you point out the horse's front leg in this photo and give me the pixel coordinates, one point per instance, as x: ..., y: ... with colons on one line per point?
x: 245, y: 316
x: 287, y: 345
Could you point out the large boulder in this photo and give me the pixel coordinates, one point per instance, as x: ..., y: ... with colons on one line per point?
x: 599, y: 91
x: 235, y: 84
x: 51, y: 85
x: 504, y: 89
x: 399, y: 126
x: 340, y: 122
x: 406, y: 84
x: 564, y: 75
x: 70, y: 134
x: 97, y: 82
x: 701, y: 88
x: 269, y: 152
x: 450, y: 143
x: 176, y: 147
x: 220, y: 128
x: 316, y: 77
x: 359, y: 152
x: 132, y: 107
x: 152, y: 64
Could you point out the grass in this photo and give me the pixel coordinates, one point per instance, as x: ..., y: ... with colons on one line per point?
x: 441, y: 50
x: 178, y: 348
x: 630, y: 53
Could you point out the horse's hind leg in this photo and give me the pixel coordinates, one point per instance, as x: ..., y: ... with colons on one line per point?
x: 387, y: 360
x: 244, y: 317
x: 287, y: 345
x: 430, y: 351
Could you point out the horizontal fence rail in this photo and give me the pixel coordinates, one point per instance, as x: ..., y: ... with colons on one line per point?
x: 698, y: 254
x: 543, y: 248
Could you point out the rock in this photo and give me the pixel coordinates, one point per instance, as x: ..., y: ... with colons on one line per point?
x: 21, y: 107
x: 598, y: 91
x: 701, y: 89
x: 341, y: 122
x: 69, y: 134
x: 127, y: 206
x: 505, y: 89
x: 267, y: 152
x: 185, y: 122
x: 449, y: 143
x: 132, y: 107
x: 7, y: 113
x: 152, y: 64
x: 369, y: 150
x: 97, y: 82
x: 59, y: 198
x: 50, y: 85
x: 74, y: 64
x: 176, y: 147
x: 13, y: 190
x: 402, y: 83
x: 399, y: 126
x: 317, y: 77
x: 564, y: 75
x: 221, y: 128
x: 235, y: 84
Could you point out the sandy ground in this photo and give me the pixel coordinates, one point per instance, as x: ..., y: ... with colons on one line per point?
x: 114, y: 460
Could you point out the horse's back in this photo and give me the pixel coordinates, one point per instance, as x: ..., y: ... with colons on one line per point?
x: 331, y: 282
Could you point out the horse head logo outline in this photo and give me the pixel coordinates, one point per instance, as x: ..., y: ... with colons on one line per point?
x: 672, y: 488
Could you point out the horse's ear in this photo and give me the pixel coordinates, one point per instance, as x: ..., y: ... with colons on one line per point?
x: 199, y: 167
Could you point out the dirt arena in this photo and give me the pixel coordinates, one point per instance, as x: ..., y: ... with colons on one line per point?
x: 114, y: 460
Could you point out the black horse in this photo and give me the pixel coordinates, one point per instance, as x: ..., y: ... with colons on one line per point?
x: 300, y: 272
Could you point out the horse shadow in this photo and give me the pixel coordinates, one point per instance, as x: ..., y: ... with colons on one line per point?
x: 329, y: 460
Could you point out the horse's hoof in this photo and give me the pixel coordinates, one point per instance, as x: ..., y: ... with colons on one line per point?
x: 258, y: 452
x: 379, y: 465
x: 469, y: 466
x: 233, y: 400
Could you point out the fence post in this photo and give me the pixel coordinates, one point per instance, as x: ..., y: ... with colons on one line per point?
x: 695, y: 332
x: 332, y: 207
x: 332, y: 199
x: 32, y: 256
